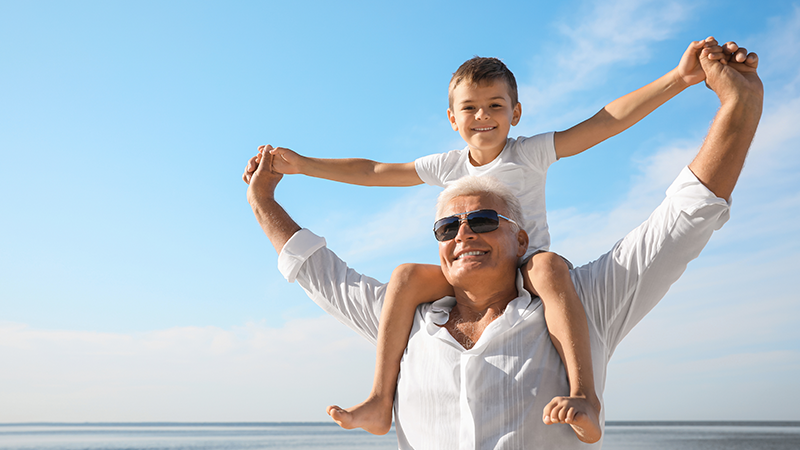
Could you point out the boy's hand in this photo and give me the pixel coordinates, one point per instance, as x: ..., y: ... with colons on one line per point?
x: 689, y: 69
x: 285, y: 161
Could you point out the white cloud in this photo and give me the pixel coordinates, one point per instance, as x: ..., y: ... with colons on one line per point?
x: 394, y: 227
x: 583, y: 243
x: 605, y: 37
x: 252, y: 372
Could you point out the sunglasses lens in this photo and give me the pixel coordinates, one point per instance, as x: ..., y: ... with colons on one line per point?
x: 482, y: 221
x: 446, y: 229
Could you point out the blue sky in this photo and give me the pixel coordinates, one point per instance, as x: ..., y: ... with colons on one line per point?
x: 135, y: 284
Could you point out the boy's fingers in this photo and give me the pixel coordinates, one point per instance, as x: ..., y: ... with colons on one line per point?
x: 730, y: 47
x: 271, y: 162
x: 712, y: 49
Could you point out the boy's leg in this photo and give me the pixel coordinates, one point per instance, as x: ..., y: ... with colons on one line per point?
x: 547, y: 275
x: 410, y: 286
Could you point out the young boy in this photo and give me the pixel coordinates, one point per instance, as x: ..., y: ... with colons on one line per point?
x: 483, y: 106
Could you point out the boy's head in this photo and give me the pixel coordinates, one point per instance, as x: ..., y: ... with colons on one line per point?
x: 483, y: 106
x: 481, y: 71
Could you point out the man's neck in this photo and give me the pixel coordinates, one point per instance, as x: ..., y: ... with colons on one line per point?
x: 470, y: 316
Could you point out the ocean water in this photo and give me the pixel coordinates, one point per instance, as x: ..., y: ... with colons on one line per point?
x: 315, y: 436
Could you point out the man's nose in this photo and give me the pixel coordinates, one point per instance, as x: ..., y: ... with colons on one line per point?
x: 464, y: 231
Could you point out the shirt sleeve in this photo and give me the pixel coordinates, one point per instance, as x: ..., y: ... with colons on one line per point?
x: 438, y: 169
x: 623, y: 285
x: 352, y: 298
x: 538, y: 151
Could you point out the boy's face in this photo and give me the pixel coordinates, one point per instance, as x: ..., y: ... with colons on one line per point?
x: 483, y: 115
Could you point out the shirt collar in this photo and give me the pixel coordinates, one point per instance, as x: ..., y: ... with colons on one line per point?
x: 516, y: 311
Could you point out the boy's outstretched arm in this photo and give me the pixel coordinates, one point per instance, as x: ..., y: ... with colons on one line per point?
x: 625, y: 111
x: 363, y: 172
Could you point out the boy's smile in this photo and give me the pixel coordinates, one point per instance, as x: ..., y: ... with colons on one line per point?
x: 483, y: 115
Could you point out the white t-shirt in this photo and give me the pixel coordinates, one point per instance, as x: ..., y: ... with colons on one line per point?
x: 522, y: 166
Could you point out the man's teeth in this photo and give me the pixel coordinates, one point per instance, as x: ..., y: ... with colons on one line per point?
x: 475, y: 253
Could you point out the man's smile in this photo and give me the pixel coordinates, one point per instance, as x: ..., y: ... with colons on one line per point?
x: 470, y: 253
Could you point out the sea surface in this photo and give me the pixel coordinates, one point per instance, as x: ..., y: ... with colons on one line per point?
x: 315, y: 436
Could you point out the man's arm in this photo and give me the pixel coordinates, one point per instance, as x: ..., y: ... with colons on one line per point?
x: 274, y: 220
x: 623, y: 285
x: 352, y: 298
x: 741, y: 93
x: 363, y: 172
x: 625, y: 111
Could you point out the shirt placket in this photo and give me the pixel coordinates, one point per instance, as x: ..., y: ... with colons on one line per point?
x: 467, y: 422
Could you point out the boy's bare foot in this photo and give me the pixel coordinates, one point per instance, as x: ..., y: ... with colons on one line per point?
x: 373, y: 416
x: 577, y: 412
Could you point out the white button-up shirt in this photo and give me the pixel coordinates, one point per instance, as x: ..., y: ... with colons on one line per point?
x: 492, y: 395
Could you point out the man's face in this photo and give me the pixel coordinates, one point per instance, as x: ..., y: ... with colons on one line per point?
x: 481, y: 257
x: 483, y: 115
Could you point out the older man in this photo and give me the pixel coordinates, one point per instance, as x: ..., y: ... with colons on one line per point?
x: 479, y: 367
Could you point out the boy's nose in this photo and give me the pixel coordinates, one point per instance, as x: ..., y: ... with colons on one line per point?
x: 482, y: 114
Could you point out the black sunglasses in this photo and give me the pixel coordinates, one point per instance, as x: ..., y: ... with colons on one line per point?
x: 479, y: 221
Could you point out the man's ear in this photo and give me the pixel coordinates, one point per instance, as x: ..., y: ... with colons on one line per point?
x: 522, y: 239
x: 452, y: 118
x: 517, y: 114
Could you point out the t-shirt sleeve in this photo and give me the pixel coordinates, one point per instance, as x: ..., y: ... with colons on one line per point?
x: 538, y: 151
x: 352, y: 298
x: 438, y: 169
x: 623, y: 285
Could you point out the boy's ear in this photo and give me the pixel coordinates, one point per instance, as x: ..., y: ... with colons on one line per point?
x: 516, y: 115
x: 452, y: 118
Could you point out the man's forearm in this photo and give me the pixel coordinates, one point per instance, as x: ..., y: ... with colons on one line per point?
x: 721, y: 158
x: 275, y: 221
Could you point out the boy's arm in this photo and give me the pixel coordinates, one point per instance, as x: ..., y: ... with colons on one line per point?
x: 363, y: 172
x: 625, y: 111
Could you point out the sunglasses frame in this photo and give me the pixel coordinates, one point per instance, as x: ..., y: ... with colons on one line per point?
x: 466, y: 218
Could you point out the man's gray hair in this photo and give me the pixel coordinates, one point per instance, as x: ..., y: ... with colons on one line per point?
x: 473, y: 185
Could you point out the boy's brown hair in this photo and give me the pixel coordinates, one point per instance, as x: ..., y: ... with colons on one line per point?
x: 480, y: 70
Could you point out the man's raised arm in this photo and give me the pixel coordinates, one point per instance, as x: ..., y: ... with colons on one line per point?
x: 274, y: 220
x: 735, y: 81
x: 623, y: 285
x: 352, y: 298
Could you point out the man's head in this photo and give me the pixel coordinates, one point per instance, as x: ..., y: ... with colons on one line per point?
x: 483, y: 104
x: 490, y: 255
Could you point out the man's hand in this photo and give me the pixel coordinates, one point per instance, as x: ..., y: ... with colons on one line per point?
x: 277, y: 225
x: 260, y: 177
x: 733, y: 76
x: 689, y: 68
